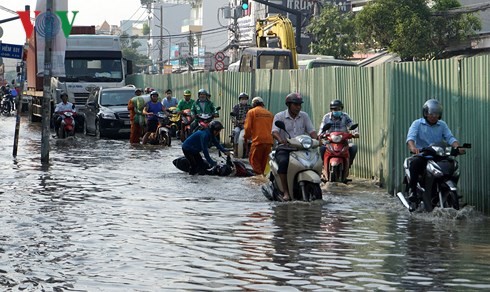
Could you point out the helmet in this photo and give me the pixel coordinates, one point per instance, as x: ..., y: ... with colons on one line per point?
x: 202, y: 91
x: 336, y: 104
x: 294, y: 98
x: 137, y: 89
x: 432, y: 107
x: 257, y: 99
x: 215, y: 126
x: 154, y: 93
x: 243, y: 95
x: 187, y: 92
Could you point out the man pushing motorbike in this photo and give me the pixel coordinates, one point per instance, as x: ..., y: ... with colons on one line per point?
x: 422, y: 133
x: 199, y: 142
x: 297, y: 123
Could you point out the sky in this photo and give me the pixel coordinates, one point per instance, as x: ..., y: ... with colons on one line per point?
x: 112, y: 11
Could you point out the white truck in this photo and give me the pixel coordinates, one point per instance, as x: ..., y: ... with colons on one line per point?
x: 90, y: 61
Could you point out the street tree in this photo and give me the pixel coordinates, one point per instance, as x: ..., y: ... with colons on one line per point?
x: 412, y: 28
x: 333, y: 33
x: 130, y: 47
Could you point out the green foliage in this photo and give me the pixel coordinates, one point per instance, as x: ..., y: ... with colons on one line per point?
x: 334, y: 33
x: 146, y: 29
x: 129, y: 51
x: 409, y: 28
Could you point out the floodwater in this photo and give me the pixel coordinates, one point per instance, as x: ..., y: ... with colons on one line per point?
x: 106, y: 216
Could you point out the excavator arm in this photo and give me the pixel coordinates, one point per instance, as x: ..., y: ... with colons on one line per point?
x: 276, y: 31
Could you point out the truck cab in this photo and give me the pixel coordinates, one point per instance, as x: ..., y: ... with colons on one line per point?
x: 265, y: 58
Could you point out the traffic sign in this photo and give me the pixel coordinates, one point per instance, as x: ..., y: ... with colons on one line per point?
x: 219, y: 56
x: 11, y: 51
x: 219, y: 66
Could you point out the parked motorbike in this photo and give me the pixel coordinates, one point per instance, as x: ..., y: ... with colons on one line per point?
x: 6, y: 104
x: 336, y: 159
x: 67, y: 126
x: 174, y: 118
x: 203, y: 119
x: 304, y: 169
x: 162, y: 134
x: 185, y: 124
x: 241, y: 148
x: 227, y: 167
x: 437, y: 187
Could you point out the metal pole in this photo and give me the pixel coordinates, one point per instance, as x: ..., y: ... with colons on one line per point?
x: 46, y: 103
x: 160, y: 64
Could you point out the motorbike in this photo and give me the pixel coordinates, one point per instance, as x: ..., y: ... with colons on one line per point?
x: 185, y: 124
x: 6, y: 105
x: 241, y: 148
x: 67, y: 126
x: 174, y: 118
x: 304, y: 170
x: 439, y: 180
x: 227, y: 167
x: 336, y: 162
x: 162, y: 134
x: 203, y: 119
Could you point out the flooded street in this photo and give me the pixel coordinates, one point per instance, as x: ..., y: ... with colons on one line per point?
x: 107, y: 216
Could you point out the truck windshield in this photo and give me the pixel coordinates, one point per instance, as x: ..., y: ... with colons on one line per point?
x: 93, y: 70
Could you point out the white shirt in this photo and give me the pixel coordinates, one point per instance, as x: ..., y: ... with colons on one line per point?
x: 61, y: 107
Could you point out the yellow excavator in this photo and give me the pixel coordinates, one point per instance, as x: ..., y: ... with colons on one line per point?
x: 276, y: 46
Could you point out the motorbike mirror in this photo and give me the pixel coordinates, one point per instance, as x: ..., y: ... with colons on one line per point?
x: 466, y: 145
x: 326, y: 127
x: 280, y: 125
x: 218, y: 108
x: 232, y: 114
x: 353, y: 127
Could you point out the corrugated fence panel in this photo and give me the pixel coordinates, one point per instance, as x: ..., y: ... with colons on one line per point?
x: 475, y: 83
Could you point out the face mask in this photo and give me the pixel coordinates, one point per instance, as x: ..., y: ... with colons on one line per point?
x: 337, y: 114
x: 244, y: 102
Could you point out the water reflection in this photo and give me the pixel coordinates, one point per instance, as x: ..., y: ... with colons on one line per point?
x: 107, y: 216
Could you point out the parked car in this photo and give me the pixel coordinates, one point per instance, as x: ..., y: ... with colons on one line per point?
x: 106, y: 112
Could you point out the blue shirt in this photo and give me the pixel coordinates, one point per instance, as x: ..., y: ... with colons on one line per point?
x: 341, y: 124
x: 424, y: 134
x: 199, y: 141
x: 169, y: 103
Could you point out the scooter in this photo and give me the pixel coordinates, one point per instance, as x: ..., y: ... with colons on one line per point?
x: 228, y: 167
x: 174, y: 117
x: 162, y: 135
x: 185, y: 124
x: 67, y: 126
x: 241, y: 148
x: 439, y: 181
x: 6, y: 104
x: 336, y: 159
x: 304, y: 170
x: 203, y: 119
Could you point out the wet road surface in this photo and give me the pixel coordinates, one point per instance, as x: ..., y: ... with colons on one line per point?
x: 107, y: 216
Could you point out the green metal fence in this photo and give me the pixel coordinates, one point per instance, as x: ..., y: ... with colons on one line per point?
x: 384, y: 100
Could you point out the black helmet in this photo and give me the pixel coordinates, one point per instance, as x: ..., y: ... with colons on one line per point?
x: 336, y: 104
x: 154, y: 93
x: 215, y: 126
x: 432, y: 107
x: 243, y: 95
x: 294, y: 98
x: 202, y: 91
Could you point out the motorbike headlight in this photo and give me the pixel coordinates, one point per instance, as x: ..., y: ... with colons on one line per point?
x: 439, y: 150
x: 336, y: 138
x: 306, y: 142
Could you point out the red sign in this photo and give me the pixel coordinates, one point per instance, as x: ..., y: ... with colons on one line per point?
x: 219, y: 56
x: 219, y: 66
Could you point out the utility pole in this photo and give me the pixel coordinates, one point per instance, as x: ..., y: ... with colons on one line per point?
x: 160, y: 64
x: 46, y: 103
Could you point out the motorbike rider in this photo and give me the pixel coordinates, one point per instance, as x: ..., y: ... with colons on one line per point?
x: 341, y: 122
x: 239, y: 113
x: 151, y: 109
x: 422, y: 133
x: 199, y: 142
x: 169, y: 100
x: 186, y: 102
x: 202, y: 106
x: 297, y: 123
x: 61, y: 107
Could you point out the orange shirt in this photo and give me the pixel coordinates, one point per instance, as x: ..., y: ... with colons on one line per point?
x: 258, y: 126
